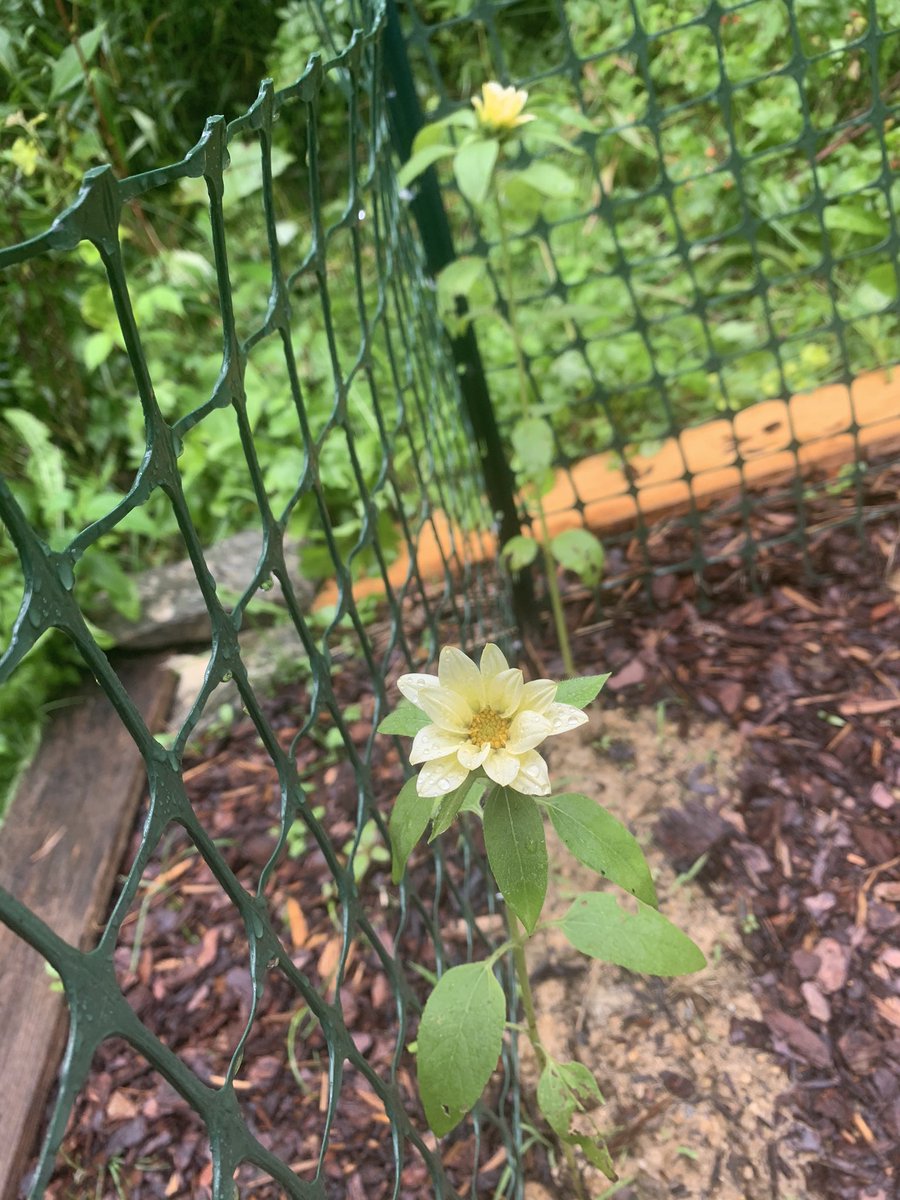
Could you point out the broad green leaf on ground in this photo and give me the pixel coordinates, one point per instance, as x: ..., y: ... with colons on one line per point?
x: 602, y: 843
x: 409, y: 816
x: 519, y: 551
x: 473, y: 167
x: 459, y: 1042
x: 643, y: 941
x: 563, y: 1089
x: 532, y: 440
x: 421, y: 161
x: 517, y: 852
x: 580, y: 692
x: 579, y: 551
x: 406, y: 720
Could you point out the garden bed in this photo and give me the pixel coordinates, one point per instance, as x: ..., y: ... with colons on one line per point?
x: 794, y: 869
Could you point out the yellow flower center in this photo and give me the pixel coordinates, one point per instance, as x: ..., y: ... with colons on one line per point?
x: 489, y: 726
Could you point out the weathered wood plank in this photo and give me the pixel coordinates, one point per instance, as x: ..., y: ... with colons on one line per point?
x: 60, y: 850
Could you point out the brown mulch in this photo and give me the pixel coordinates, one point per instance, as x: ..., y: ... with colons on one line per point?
x: 807, y: 671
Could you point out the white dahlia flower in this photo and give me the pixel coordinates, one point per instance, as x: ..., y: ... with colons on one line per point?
x: 486, y: 717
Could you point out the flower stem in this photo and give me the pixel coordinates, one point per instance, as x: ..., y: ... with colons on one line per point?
x: 524, y: 982
x: 559, y: 619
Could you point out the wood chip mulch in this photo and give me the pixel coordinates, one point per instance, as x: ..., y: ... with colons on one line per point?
x: 807, y: 671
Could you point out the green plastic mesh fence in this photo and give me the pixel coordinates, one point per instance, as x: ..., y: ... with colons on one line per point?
x: 711, y: 315
x: 322, y: 380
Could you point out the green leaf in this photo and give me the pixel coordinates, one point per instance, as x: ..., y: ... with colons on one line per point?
x: 517, y: 852
x: 563, y: 1088
x: 579, y: 551
x: 532, y: 440
x: 580, y: 692
x: 459, y: 1042
x: 602, y: 843
x: 519, y: 552
x: 459, y: 277
x: 595, y: 1151
x: 409, y: 816
x: 643, y: 941
x: 67, y: 69
x: 549, y: 180
x: 448, y: 809
x: 419, y: 162
x: 855, y: 219
x: 473, y: 167
x: 406, y: 720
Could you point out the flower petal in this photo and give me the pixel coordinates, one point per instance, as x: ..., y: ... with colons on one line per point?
x: 503, y: 692
x: 446, y: 709
x: 440, y: 776
x: 459, y: 674
x: 533, y: 778
x: 502, y: 767
x: 432, y: 742
x: 472, y: 756
x: 538, y: 695
x: 563, y: 717
x: 528, y: 729
x: 411, y: 685
x: 492, y: 661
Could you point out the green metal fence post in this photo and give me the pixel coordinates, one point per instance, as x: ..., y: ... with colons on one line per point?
x: 437, y: 240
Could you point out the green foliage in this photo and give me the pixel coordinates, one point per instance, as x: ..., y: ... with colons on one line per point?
x: 459, y: 1043
x: 602, y: 843
x: 598, y: 926
x: 517, y: 852
x: 406, y: 720
x: 582, y: 691
x: 409, y: 817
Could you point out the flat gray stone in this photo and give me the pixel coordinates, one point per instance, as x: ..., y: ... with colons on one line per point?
x: 173, y: 611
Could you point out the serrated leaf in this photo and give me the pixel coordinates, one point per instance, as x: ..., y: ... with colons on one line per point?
x: 459, y: 1041
x: 532, y: 440
x: 473, y: 167
x: 406, y: 720
x: 408, y: 819
x: 580, y: 692
x: 519, y: 551
x: 517, y: 852
x: 643, y: 941
x: 579, y: 551
x: 602, y: 843
x: 421, y: 160
x: 67, y: 69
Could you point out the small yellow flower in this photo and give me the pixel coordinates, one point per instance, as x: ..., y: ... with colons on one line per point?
x: 499, y: 109
x: 486, y: 717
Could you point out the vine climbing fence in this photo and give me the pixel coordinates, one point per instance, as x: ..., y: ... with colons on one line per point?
x: 680, y: 355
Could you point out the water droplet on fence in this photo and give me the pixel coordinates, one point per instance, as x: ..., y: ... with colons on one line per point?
x: 66, y: 574
x: 256, y: 922
x: 273, y: 962
x: 267, y: 584
x: 35, y: 616
x: 229, y: 675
